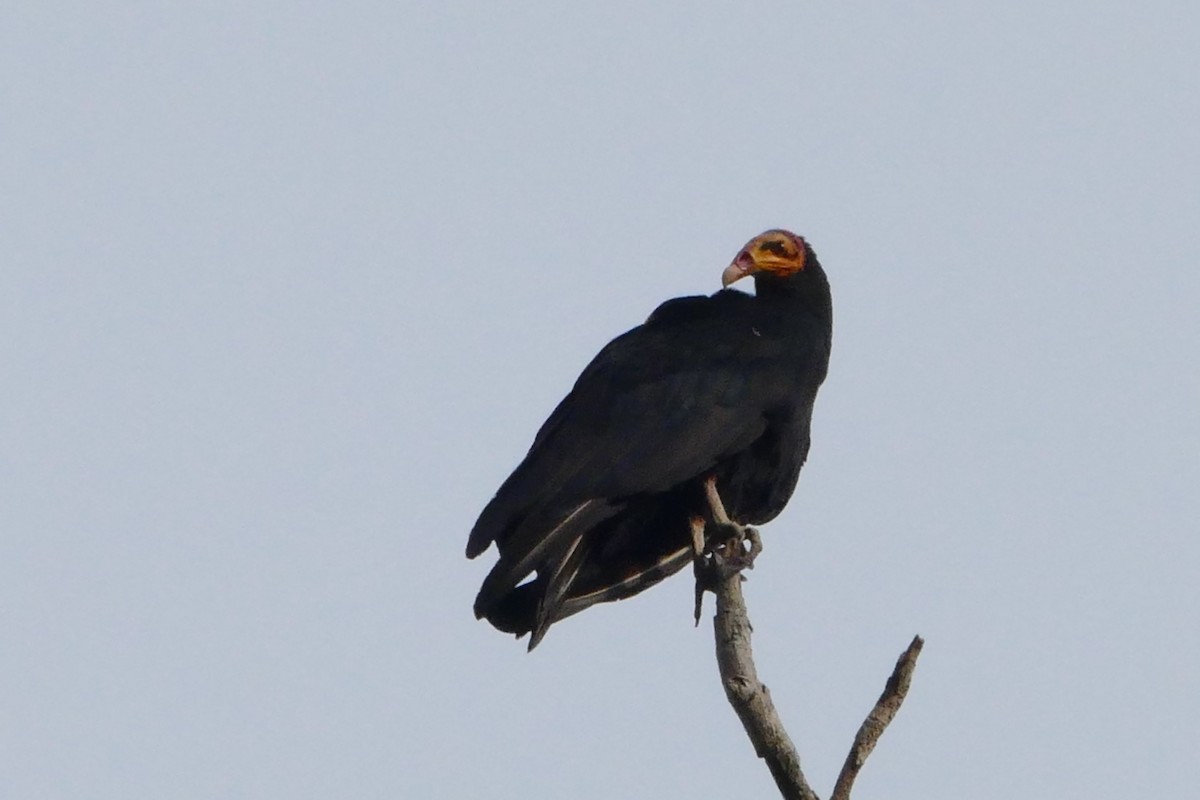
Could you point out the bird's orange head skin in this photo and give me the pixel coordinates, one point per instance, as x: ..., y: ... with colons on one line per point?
x: 777, y: 251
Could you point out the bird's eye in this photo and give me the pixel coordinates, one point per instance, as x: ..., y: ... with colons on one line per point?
x: 775, y: 248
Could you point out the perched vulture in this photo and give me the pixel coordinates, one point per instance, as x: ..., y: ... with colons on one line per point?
x: 709, y: 388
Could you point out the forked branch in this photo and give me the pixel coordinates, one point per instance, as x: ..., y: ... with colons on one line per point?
x: 752, y: 702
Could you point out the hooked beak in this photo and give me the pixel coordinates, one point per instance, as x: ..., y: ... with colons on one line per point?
x: 742, y: 266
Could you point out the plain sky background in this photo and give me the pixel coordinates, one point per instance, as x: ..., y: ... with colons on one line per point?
x: 286, y: 290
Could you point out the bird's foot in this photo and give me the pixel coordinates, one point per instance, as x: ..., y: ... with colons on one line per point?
x: 720, y: 557
x: 736, y: 550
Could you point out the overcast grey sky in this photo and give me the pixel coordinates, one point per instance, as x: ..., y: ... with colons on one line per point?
x: 286, y: 289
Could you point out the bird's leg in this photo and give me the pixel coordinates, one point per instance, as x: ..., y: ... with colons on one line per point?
x: 714, y: 501
x: 741, y: 543
x: 731, y: 549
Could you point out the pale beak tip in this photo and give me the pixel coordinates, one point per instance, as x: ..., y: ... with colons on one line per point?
x: 734, y: 272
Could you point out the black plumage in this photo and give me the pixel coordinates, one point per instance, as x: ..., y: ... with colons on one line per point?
x: 723, y: 385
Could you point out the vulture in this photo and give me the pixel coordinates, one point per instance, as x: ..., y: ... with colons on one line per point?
x: 708, y: 402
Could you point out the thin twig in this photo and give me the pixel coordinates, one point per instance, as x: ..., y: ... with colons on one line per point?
x: 873, y: 726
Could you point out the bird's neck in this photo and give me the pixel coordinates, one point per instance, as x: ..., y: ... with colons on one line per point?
x: 809, y: 291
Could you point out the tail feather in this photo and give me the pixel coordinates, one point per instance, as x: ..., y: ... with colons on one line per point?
x: 558, y: 587
x: 515, y: 612
x: 524, y: 611
x: 531, y: 548
x: 629, y: 550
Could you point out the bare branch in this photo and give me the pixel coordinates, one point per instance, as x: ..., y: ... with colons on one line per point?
x: 752, y: 702
x: 750, y: 698
x: 873, y: 726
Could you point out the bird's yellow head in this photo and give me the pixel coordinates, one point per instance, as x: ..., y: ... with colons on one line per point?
x: 778, y: 251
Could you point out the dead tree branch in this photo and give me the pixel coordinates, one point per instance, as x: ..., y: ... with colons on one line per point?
x: 752, y: 702
x: 749, y: 697
x: 873, y: 726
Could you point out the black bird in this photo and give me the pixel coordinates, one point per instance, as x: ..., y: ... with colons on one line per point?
x: 714, y: 387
